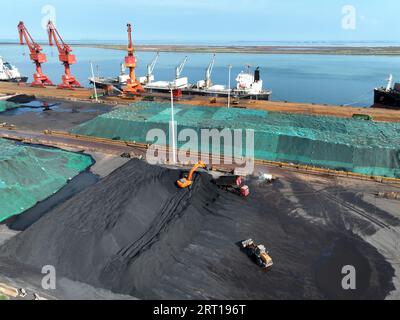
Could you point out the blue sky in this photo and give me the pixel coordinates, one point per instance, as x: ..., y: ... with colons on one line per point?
x: 202, y: 20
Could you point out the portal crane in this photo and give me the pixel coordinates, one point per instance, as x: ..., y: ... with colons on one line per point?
x: 65, y: 56
x: 36, y: 55
x: 133, y: 86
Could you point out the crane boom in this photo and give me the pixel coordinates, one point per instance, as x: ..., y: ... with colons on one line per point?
x: 179, y: 69
x: 133, y: 86
x: 36, y: 55
x: 150, y: 67
x: 209, y: 72
x: 65, y: 57
x: 389, y: 85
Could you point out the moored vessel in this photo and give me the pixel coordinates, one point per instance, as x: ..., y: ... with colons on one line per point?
x: 10, y: 73
x: 389, y: 96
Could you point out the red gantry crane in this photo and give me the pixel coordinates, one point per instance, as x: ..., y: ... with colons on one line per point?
x: 65, y: 56
x: 133, y: 86
x: 36, y: 55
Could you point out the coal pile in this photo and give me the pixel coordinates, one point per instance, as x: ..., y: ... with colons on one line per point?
x: 136, y: 233
x: 103, y: 236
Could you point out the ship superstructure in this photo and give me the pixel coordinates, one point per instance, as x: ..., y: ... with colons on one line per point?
x: 10, y: 73
x: 389, y: 96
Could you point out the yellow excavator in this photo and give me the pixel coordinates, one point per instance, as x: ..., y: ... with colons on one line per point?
x: 188, y: 180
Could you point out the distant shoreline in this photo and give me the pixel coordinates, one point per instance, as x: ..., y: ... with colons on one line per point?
x: 320, y: 50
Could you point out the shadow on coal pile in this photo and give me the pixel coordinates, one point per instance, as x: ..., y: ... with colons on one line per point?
x: 136, y: 233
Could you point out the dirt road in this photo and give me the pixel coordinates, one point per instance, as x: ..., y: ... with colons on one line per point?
x: 277, y: 106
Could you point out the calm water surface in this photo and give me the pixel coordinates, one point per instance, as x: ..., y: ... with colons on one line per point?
x: 326, y: 79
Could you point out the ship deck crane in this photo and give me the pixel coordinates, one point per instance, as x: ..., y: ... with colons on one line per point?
x: 179, y: 82
x: 179, y: 68
x: 209, y: 71
x: 389, y: 84
x: 206, y: 83
x: 149, y: 78
x: 150, y: 69
x: 133, y: 86
x: 65, y: 57
x: 36, y: 55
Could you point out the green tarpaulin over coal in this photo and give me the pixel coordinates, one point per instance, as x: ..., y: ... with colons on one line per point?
x: 31, y: 174
x: 366, y: 147
x: 5, y: 106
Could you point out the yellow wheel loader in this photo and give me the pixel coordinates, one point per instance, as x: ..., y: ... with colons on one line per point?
x: 258, y: 253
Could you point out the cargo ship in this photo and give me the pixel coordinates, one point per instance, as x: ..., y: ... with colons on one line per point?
x: 387, y: 97
x: 9, y: 73
x: 249, y: 85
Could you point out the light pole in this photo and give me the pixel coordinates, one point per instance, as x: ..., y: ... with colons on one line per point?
x: 94, y: 82
x: 229, y: 86
x: 172, y: 128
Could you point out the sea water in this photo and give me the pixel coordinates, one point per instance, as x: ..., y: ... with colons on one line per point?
x: 323, y: 79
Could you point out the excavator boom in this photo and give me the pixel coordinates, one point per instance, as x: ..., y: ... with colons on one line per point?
x: 198, y: 165
x: 187, y: 181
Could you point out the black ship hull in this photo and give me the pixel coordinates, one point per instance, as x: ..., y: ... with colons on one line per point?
x: 265, y: 96
x: 16, y: 80
x: 107, y: 82
x: 104, y: 83
x: 386, y: 99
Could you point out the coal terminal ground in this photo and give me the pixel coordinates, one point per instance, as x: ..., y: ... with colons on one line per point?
x: 183, y: 244
x: 51, y: 93
x: 130, y: 233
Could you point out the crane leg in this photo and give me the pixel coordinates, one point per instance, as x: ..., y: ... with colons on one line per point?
x: 69, y: 83
x: 41, y: 80
x: 133, y: 87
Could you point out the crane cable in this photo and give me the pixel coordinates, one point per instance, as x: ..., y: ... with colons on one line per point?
x: 359, y: 99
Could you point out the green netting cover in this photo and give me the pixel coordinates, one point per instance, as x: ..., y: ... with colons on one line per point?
x: 360, y: 146
x: 31, y: 174
x: 5, y: 105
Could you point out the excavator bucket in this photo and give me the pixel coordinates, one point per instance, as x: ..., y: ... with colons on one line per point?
x: 266, y: 260
x: 247, y: 243
x: 184, y: 183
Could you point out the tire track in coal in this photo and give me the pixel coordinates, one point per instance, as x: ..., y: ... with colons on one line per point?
x: 354, y: 209
x: 171, y: 210
x: 325, y: 193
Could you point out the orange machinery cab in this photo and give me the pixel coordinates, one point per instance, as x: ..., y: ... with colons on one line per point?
x: 68, y: 58
x: 245, y: 191
x: 130, y: 61
x: 39, y: 57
